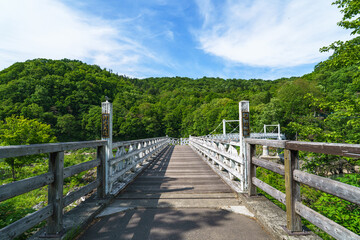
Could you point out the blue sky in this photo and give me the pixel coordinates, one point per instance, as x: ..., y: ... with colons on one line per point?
x: 246, y: 39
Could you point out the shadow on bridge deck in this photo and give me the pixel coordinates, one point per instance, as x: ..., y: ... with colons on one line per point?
x: 177, y: 197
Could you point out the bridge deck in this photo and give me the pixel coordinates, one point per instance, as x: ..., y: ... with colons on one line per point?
x: 177, y: 197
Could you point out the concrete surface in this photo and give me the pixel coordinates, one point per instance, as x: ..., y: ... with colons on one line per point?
x: 177, y: 224
x: 271, y: 217
x: 240, y: 210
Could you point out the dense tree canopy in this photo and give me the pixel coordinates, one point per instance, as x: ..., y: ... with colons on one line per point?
x: 66, y: 94
x: 21, y: 131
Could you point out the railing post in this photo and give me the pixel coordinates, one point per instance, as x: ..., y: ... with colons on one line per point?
x: 101, y: 174
x: 55, y: 194
x: 292, y: 191
x: 106, y: 134
x: 224, y: 127
x: 265, y: 151
x: 250, y: 149
x: 279, y: 136
x: 244, y: 122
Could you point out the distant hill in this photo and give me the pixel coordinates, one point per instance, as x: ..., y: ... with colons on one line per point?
x: 67, y: 95
x: 60, y: 92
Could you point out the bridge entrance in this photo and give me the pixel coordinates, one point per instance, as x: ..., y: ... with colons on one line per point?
x: 177, y: 197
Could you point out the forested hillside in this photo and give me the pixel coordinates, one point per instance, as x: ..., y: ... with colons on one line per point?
x: 67, y: 94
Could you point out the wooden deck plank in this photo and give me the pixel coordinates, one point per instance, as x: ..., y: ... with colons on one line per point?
x: 180, y: 171
x: 185, y: 190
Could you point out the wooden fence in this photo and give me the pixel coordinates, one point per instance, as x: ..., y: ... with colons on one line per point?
x: 54, y: 178
x: 129, y: 154
x: 293, y: 177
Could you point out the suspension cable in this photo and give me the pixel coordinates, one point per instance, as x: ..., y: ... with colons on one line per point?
x: 215, y: 128
x: 234, y: 129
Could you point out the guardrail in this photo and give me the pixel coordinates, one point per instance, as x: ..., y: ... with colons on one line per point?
x: 130, y: 154
x: 123, y: 167
x: 236, y: 136
x: 224, y: 137
x: 224, y: 156
x: 179, y: 141
x: 293, y: 177
x: 54, y: 178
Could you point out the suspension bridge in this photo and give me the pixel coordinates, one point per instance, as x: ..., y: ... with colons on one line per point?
x: 201, y: 187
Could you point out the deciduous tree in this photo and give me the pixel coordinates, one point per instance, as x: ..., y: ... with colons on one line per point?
x: 22, y: 131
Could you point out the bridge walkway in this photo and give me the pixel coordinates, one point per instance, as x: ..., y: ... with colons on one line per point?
x: 177, y: 197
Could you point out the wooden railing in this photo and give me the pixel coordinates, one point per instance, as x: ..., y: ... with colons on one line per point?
x: 293, y: 177
x: 54, y: 178
x: 126, y: 163
x: 225, y: 156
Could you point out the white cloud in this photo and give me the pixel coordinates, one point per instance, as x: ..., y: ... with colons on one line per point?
x: 206, y: 10
x: 169, y: 35
x: 50, y: 29
x: 269, y: 33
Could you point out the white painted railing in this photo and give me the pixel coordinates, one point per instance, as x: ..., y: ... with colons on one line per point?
x: 179, y: 141
x: 129, y: 160
x: 223, y: 157
x: 229, y: 136
x: 236, y: 136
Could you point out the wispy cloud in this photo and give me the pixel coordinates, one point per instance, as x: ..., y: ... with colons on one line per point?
x: 51, y: 29
x: 246, y: 39
x: 269, y: 33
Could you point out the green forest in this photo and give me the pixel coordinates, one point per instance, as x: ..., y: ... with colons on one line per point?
x: 44, y: 100
x: 67, y: 95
